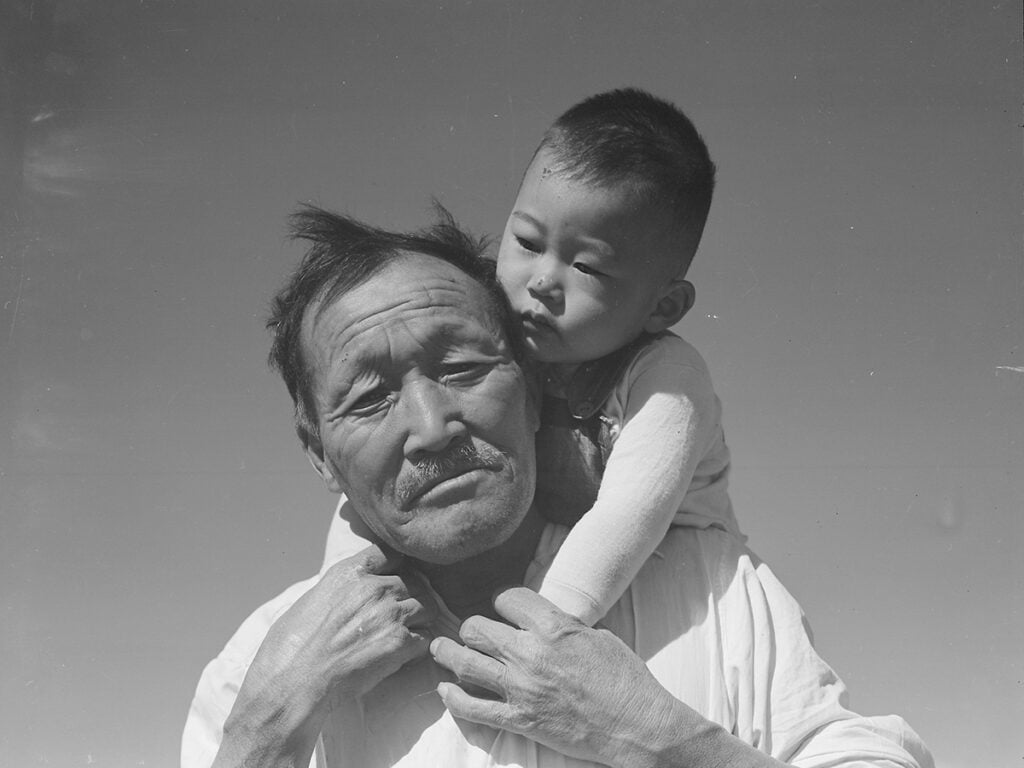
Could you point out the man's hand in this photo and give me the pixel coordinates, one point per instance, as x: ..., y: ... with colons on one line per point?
x: 578, y: 690
x: 358, y: 625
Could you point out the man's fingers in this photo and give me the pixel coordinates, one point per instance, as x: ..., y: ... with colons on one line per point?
x: 374, y: 559
x: 466, y: 707
x: 415, y: 583
x: 370, y: 561
x: 391, y: 654
x: 526, y: 609
x: 420, y: 606
x: 492, y: 637
x: 419, y: 612
x: 470, y: 666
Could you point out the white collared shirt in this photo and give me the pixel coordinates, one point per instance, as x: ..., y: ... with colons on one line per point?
x: 711, y: 621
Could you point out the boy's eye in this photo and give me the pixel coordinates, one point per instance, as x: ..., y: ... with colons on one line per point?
x: 586, y: 269
x: 527, y: 245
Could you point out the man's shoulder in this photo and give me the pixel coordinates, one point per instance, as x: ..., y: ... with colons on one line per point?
x: 221, y: 679
x: 249, y: 636
x: 713, y: 550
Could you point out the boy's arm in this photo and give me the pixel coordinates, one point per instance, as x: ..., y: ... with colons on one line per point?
x: 671, y: 416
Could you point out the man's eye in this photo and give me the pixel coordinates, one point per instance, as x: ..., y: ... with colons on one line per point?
x: 370, y: 403
x: 586, y: 269
x: 527, y: 245
x: 456, y: 372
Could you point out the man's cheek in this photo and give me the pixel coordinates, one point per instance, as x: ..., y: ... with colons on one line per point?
x: 361, y: 459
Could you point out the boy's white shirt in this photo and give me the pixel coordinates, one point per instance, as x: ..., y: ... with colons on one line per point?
x: 669, y: 465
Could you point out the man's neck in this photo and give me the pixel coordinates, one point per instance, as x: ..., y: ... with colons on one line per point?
x: 468, y: 586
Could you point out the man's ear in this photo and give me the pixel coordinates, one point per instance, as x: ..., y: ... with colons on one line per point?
x: 315, y: 453
x: 673, y: 304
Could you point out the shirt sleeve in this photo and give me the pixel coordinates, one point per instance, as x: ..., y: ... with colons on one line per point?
x: 784, y: 698
x: 722, y: 634
x: 671, y: 415
x: 219, y: 683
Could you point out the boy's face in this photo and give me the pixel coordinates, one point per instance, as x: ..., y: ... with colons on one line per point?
x: 583, y: 266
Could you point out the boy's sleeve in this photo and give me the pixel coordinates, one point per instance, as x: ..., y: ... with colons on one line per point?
x: 670, y: 419
x: 670, y: 416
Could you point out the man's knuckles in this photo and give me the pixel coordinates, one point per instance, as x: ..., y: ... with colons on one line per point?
x: 527, y: 609
x: 475, y: 631
x: 369, y: 591
x: 448, y: 654
x: 383, y: 619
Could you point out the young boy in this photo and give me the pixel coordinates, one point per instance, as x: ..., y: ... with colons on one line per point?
x: 593, y: 258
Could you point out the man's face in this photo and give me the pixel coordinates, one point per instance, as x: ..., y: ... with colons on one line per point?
x: 423, y: 415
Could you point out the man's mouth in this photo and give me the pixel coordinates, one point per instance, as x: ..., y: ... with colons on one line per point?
x: 444, y: 471
x: 449, y: 480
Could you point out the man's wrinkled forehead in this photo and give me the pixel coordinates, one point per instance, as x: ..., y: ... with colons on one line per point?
x: 412, y: 287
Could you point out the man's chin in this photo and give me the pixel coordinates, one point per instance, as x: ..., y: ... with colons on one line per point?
x: 454, y: 542
x: 463, y: 529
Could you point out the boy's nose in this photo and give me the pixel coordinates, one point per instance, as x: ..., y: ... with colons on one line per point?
x: 544, y: 286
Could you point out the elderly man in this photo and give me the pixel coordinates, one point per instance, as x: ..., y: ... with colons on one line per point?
x: 401, y: 358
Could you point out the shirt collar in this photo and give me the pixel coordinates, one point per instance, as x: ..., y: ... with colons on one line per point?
x: 592, y: 383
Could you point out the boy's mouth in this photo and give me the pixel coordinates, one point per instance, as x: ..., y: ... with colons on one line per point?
x: 534, y: 322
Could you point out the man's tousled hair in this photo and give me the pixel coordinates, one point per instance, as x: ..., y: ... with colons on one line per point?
x: 344, y: 253
x: 630, y: 139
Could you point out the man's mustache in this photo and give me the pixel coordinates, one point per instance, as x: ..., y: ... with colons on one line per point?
x: 429, y: 471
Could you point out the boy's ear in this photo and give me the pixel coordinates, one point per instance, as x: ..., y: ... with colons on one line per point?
x: 315, y: 453
x: 674, y: 303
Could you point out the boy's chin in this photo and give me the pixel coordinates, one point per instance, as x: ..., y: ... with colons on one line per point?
x: 539, y: 350
x: 543, y: 353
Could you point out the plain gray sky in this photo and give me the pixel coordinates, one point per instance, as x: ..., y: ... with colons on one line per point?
x: 858, y: 301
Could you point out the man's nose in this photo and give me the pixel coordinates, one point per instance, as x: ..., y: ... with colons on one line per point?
x: 432, y: 416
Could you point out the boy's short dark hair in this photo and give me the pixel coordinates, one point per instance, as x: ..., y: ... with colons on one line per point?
x: 344, y: 254
x: 630, y: 138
